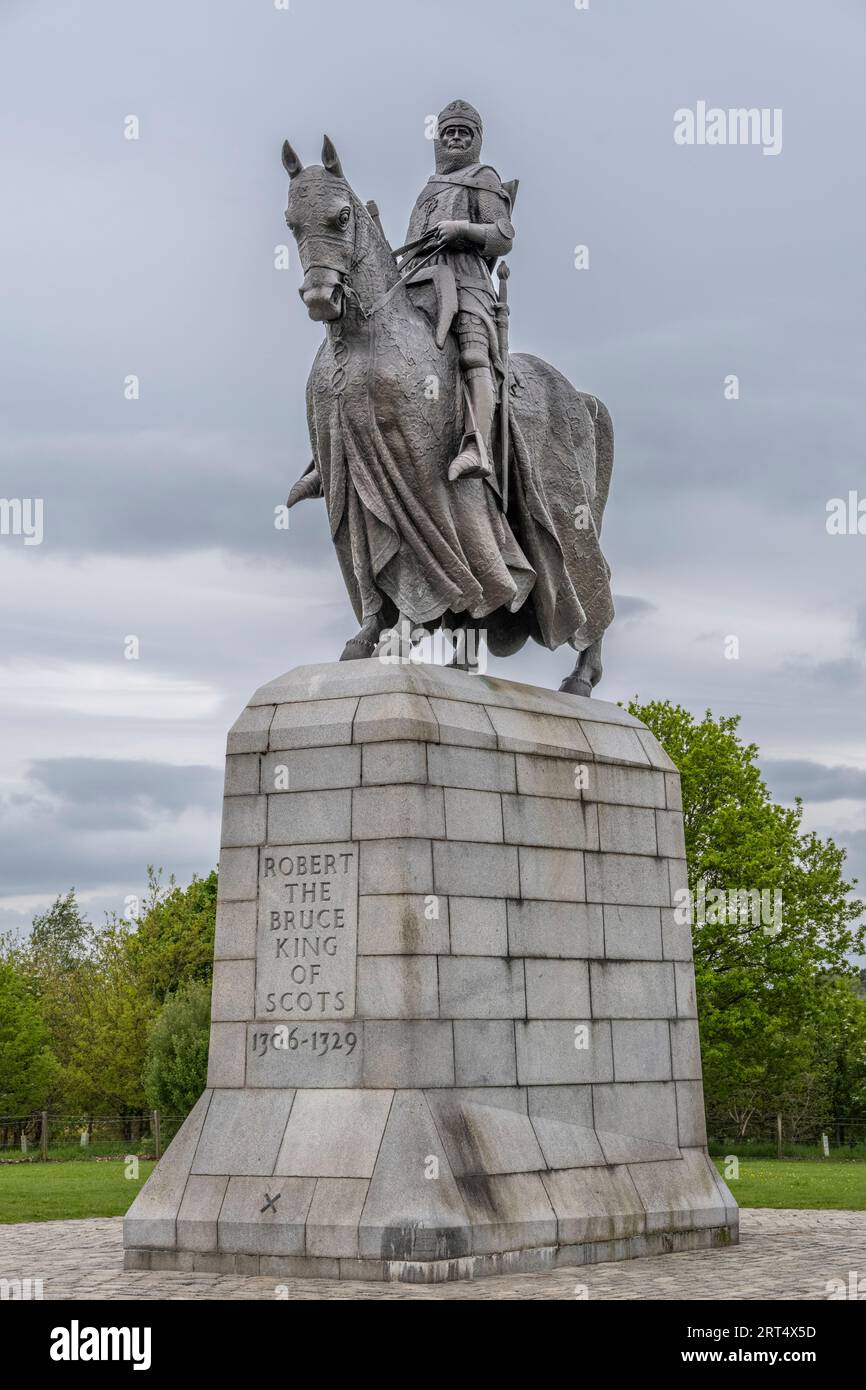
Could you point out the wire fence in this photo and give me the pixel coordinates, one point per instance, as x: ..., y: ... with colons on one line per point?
x: 768, y: 1133
x: 46, y: 1137
x: 42, y: 1136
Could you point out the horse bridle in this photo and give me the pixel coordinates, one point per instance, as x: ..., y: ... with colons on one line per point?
x: 354, y: 261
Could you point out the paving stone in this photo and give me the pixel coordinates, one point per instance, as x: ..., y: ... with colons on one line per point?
x: 473, y: 769
x: 563, y: 1122
x: 478, y: 927
x: 463, y: 724
x: 334, y: 1134
x: 475, y: 870
x: 783, y: 1255
x: 632, y: 933
x: 563, y: 930
x: 632, y: 989
x: 557, y: 989
x: 334, y: 1216
x: 235, y: 935
x: 386, y: 764
x: 473, y: 815
x: 312, y: 724
x: 627, y: 829
x: 308, y: 817
x: 249, y: 733
x: 519, y: 731
x: 243, y: 820
x: 399, y: 812
x: 595, y: 1204
x: 238, y: 874
x: 233, y: 992
x: 547, y: 1054
x: 671, y: 836
x: 413, y: 1208
x: 554, y: 823
x: 393, y: 924
x: 406, y: 1053
x: 397, y: 987
x: 226, y: 1055
x: 265, y: 1217
x: 633, y: 879
x: 641, y: 1050
x: 242, y: 774
x: 484, y: 1053
x: 397, y: 716
x: 555, y: 874
x: 636, y: 1122
x: 481, y: 987
x: 396, y: 866
x: 242, y: 1133
x: 310, y: 769
x: 199, y: 1210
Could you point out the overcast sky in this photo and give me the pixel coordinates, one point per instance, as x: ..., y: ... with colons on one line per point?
x: 155, y: 257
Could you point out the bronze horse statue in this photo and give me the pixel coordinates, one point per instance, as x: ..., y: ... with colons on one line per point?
x: 384, y: 415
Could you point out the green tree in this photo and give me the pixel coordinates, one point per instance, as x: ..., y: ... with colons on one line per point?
x: 175, y: 1072
x: 173, y: 941
x: 27, y: 1066
x: 761, y: 1006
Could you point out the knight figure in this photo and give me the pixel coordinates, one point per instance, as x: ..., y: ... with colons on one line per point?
x: 464, y: 212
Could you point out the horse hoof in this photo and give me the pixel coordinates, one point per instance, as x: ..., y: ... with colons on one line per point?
x: 356, y: 650
x: 574, y: 685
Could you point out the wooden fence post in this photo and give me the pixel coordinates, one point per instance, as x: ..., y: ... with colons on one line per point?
x: 44, y: 1136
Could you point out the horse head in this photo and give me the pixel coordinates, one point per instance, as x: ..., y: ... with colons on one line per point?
x: 324, y: 215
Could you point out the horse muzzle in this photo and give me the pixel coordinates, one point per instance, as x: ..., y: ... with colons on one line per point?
x: 322, y: 293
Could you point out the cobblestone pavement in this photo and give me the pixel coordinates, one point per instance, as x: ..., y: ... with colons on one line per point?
x: 782, y: 1255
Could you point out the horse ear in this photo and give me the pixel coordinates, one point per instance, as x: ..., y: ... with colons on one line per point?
x: 291, y: 163
x: 331, y: 159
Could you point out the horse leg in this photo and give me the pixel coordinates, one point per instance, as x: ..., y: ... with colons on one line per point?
x: 587, y: 671
x: 366, y: 639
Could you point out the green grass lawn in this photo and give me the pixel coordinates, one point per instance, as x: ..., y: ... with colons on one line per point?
x: 59, y: 1191
x: 796, y: 1182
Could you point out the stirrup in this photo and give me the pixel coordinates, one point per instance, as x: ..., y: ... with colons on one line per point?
x: 471, y: 460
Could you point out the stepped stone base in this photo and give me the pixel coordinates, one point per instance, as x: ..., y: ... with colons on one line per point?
x: 453, y: 1021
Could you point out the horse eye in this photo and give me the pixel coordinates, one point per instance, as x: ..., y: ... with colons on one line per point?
x: 343, y: 218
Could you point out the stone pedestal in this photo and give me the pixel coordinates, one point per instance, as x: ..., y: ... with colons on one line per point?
x: 454, y: 1027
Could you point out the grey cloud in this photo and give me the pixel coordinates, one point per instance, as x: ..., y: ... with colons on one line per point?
x: 792, y: 777
x: 629, y: 607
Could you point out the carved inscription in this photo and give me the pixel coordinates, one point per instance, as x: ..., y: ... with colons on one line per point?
x: 307, y: 944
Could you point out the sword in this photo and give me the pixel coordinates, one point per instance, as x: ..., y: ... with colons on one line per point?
x: 502, y: 312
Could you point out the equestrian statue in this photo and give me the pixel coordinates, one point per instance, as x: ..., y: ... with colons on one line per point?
x: 465, y: 485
